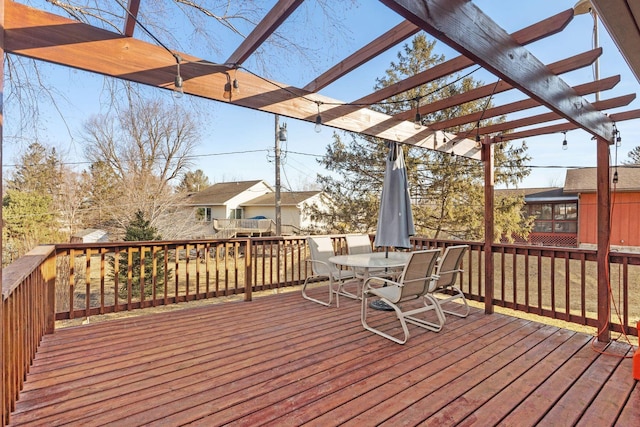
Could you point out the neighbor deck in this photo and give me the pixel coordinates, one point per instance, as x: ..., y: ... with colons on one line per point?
x: 282, y: 360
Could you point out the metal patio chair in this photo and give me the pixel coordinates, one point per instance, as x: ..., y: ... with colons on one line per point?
x: 448, y: 270
x: 321, y: 249
x: 361, y: 244
x: 414, y: 283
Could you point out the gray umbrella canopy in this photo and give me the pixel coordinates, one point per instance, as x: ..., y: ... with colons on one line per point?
x: 395, y: 220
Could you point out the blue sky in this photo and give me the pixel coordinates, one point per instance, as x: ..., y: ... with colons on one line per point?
x: 237, y: 143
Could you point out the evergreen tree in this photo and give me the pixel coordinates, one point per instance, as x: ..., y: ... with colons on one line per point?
x: 634, y: 157
x: 28, y: 221
x: 193, y: 181
x: 34, y: 202
x: 447, y: 191
x: 38, y: 170
x: 139, y: 229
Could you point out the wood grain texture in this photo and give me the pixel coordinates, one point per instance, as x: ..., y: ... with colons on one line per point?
x: 281, y: 359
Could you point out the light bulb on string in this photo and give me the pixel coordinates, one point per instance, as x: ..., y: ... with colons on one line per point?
x: 178, y: 91
x: 227, y: 89
x: 177, y: 82
x: 417, y: 121
x: 236, y: 85
x: 565, y: 145
x: 318, y: 126
x: 616, y: 135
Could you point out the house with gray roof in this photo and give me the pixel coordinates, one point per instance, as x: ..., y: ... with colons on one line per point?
x: 247, y: 208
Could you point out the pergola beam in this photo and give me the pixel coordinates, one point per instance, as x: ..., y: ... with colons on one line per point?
x: 400, y: 32
x: 524, y: 104
x: 560, y: 67
x: 607, y: 104
x: 464, y: 27
x: 564, y: 127
x: 274, y: 18
x: 132, y: 15
x: 527, y: 35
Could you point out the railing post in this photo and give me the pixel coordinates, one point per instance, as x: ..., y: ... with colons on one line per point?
x: 248, y: 270
x: 487, y: 158
x: 4, y: 411
x: 49, y: 276
x: 604, y: 201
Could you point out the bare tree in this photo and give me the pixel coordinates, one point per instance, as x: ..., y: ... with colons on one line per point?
x: 148, y: 138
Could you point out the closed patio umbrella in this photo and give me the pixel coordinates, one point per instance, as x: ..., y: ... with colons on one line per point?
x: 395, y: 221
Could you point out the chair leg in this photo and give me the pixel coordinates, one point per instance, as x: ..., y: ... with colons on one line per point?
x: 457, y: 295
x: 430, y: 303
x: 342, y: 291
x: 403, y: 323
x: 325, y: 303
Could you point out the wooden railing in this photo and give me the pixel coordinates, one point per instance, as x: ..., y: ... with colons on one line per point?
x: 27, y: 314
x: 176, y: 271
x: 558, y: 283
x: 80, y: 280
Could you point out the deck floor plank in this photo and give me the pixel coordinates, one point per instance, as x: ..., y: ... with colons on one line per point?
x: 459, y: 406
x: 611, y: 397
x: 282, y: 360
x: 571, y: 406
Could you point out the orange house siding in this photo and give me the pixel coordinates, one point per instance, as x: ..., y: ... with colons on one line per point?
x: 625, y: 219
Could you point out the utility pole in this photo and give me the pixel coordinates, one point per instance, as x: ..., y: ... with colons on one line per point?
x: 281, y: 135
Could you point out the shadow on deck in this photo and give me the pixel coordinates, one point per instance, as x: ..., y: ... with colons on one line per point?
x: 282, y: 360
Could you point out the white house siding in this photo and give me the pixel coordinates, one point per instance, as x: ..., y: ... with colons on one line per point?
x: 251, y: 193
x: 305, y: 221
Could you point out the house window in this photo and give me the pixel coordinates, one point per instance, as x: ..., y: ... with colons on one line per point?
x: 204, y: 214
x: 235, y: 214
x: 565, y: 218
x: 554, y: 217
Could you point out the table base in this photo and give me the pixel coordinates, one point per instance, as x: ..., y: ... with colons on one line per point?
x: 380, y: 305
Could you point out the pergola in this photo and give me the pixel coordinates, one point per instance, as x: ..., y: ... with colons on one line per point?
x: 460, y: 24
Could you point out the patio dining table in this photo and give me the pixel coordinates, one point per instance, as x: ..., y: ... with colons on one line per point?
x: 370, y: 262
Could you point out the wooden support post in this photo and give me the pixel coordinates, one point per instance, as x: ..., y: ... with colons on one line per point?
x: 248, y: 271
x: 604, y: 220
x: 4, y: 410
x: 487, y: 158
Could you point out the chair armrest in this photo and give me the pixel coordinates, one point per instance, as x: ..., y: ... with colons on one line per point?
x: 385, y: 282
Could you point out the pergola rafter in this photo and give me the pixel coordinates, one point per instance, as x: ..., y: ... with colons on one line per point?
x: 524, y: 36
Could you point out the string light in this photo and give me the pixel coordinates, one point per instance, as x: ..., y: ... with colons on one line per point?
x: 417, y: 122
x: 478, y: 145
x: 617, y: 137
x: 564, y: 141
x: 236, y: 85
x: 318, y: 126
x: 227, y: 88
x: 177, y: 82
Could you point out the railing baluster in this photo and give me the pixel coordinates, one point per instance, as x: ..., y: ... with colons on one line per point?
x: 567, y: 282
x: 87, y: 283
x: 583, y: 287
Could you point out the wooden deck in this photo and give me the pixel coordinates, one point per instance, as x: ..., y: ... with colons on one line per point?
x: 281, y: 360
